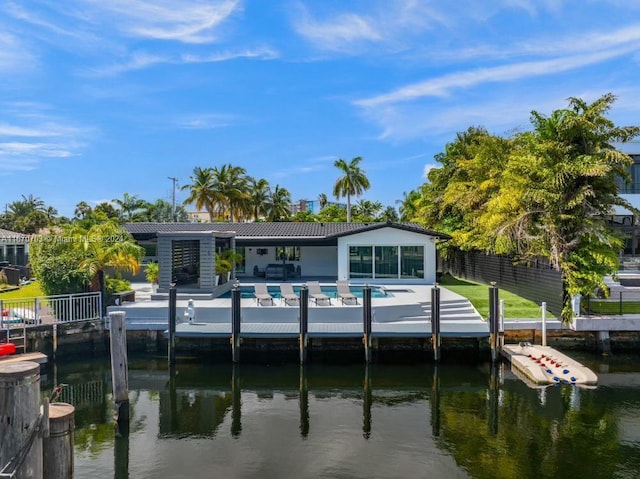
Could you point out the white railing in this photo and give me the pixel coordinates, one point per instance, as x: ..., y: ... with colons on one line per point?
x: 50, y: 309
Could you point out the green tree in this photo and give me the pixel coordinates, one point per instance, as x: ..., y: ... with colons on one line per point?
x: 389, y: 214
x: 279, y: 204
x: 230, y: 191
x: 367, y: 210
x: 322, y: 200
x: 201, y: 191
x: 82, y: 210
x: 353, y: 182
x: 409, y: 205
x: 332, y: 214
x: 260, y: 198
x: 130, y: 205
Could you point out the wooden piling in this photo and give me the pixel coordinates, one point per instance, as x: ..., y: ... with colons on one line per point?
x: 304, y: 402
x: 435, y: 322
x: 435, y: 402
x: 366, y: 318
x: 236, y: 401
x: 20, y: 443
x: 236, y: 319
x: 494, y: 399
x: 58, y: 446
x: 367, y: 403
x: 494, y: 319
x: 171, y: 353
x: 119, y: 366
x: 304, y: 323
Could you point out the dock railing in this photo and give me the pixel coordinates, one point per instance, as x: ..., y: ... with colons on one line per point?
x: 63, y: 308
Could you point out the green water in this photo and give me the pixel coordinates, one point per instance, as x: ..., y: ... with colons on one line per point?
x: 327, y: 421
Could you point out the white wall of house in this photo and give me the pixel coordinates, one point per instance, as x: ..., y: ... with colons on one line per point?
x: 389, y: 237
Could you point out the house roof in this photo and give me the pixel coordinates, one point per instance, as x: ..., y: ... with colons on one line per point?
x: 6, y: 236
x: 283, y: 230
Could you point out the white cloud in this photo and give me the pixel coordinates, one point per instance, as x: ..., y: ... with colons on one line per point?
x: 264, y: 53
x: 137, y: 61
x: 444, y: 85
x: 187, y: 21
x: 32, y: 135
x: 15, y: 57
x: 208, y: 121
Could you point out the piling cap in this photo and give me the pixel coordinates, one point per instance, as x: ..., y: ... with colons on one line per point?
x: 60, y: 409
x: 18, y: 369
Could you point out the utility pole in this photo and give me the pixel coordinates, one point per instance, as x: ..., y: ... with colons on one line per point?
x: 173, y: 204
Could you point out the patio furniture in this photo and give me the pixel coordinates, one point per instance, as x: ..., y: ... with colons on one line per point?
x: 262, y: 294
x: 344, y: 293
x: 288, y: 295
x: 277, y: 271
x: 315, y: 292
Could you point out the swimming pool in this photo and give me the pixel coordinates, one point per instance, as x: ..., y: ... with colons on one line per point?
x: 331, y: 291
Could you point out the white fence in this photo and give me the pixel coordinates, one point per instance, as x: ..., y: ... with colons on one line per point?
x: 50, y: 310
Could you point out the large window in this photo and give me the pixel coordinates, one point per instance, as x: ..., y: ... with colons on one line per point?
x: 290, y: 253
x: 634, y: 173
x: 391, y: 262
x: 386, y: 261
x: 360, y: 261
x: 412, y: 262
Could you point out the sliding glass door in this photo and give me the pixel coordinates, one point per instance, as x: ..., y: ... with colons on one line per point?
x: 386, y: 261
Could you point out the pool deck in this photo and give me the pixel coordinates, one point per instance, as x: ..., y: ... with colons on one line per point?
x: 404, y: 313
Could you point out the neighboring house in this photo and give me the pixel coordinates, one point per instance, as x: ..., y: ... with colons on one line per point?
x: 358, y: 252
x: 623, y: 220
x: 14, y: 247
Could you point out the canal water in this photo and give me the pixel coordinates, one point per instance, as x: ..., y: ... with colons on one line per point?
x: 213, y: 419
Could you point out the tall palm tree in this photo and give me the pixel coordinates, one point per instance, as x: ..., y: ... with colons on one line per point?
x: 129, y: 206
x: 368, y: 209
x: 201, y: 190
x: 82, y: 210
x: 230, y: 191
x: 353, y: 182
x: 260, y: 198
x: 279, y: 204
x: 27, y: 205
x: 409, y: 205
x: 322, y: 200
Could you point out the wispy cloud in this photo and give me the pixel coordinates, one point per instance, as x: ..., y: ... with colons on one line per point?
x: 137, y: 61
x: 15, y: 56
x: 190, y: 21
x: 31, y: 135
x: 444, y: 85
x: 207, y: 121
x: 263, y: 53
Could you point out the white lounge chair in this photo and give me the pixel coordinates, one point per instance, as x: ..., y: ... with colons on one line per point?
x: 344, y: 293
x: 262, y: 294
x: 315, y: 292
x: 287, y: 294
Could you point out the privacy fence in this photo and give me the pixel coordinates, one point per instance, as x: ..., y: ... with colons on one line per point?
x: 536, y: 281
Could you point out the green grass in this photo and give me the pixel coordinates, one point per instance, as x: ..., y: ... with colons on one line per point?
x: 28, y: 291
x: 514, y: 306
x: 611, y: 307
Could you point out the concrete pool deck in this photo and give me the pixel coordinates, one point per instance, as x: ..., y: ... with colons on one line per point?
x: 405, y: 312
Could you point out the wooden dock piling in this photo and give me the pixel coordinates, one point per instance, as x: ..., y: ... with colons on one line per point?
x: 494, y: 320
x: 367, y: 402
x: 366, y: 317
x: 236, y: 319
x: 236, y: 401
x: 435, y: 322
x: 304, y: 323
x: 173, y: 295
x: 58, y: 446
x: 435, y: 402
x: 20, y: 443
x: 304, y: 402
x: 119, y: 366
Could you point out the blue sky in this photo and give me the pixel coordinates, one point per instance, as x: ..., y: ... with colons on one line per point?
x: 99, y: 98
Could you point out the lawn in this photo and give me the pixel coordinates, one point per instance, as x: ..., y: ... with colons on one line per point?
x: 594, y: 306
x: 27, y: 291
x: 514, y: 306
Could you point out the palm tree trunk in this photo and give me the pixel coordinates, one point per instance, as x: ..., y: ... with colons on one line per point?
x: 348, y: 208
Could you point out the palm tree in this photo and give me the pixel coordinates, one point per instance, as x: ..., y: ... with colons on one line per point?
x: 27, y: 205
x: 322, y: 200
x: 102, y: 249
x: 229, y: 190
x: 389, y: 214
x: 82, y: 210
x: 259, y: 191
x: 409, y: 205
x: 354, y: 181
x: 201, y: 190
x: 279, y: 204
x: 368, y: 209
x: 129, y: 206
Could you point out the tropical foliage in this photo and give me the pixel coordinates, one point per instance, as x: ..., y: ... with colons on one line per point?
x: 542, y: 193
x: 353, y: 182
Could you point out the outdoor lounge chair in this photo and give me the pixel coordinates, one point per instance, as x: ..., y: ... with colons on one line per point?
x: 287, y: 294
x: 315, y: 293
x: 262, y: 294
x: 344, y: 293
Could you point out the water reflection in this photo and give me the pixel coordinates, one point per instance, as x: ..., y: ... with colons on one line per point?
x: 348, y: 421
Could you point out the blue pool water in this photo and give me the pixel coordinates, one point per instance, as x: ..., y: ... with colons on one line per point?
x: 331, y: 291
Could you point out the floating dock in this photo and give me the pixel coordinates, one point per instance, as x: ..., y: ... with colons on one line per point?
x: 545, y: 365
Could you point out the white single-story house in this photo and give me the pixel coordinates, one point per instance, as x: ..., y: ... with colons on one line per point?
x: 357, y: 252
